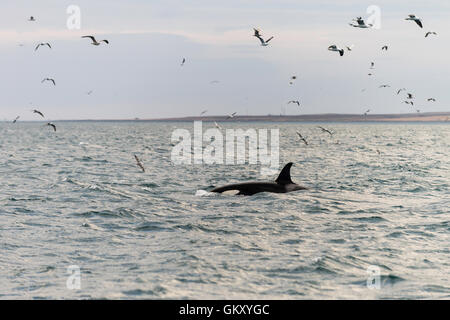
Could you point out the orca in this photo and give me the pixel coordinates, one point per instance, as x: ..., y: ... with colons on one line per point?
x: 282, y: 184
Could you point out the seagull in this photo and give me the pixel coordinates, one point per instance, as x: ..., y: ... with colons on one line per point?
x: 349, y: 48
x: 95, y: 42
x: 414, y: 18
x: 360, y: 23
x: 295, y: 101
x: 409, y: 102
x: 42, y: 44
x: 325, y: 130
x: 38, y: 112
x: 417, y: 110
x: 264, y: 43
x: 400, y: 90
x: 203, y: 112
x: 292, y: 79
x: 370, y: 74
x: 430, y: 32
x: 301, y: 138
x: 217, y: 125
x: 48, y: 79
x: 337, y: 49
x: 231, y: 115
x: 431, y: 99
x: 410, y: 96
x: 89, y: 92
x: 183, y: 61
x: 384, y: 86
x: 384, y: 48
x: 367, y: 111
x: 51, y: 125
x: 15, y: 120
x: 372, y: 64
x: 139, y: 163
x: 32, y: 19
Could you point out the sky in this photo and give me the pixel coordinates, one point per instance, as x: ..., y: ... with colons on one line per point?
x: 139, y: 74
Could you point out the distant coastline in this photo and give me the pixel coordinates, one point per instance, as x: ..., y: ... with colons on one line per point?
x: 324, y: 117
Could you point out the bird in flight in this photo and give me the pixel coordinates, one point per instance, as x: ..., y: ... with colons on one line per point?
x: 431, y: 99
x: 372, y: 64
x: 325, y: 130
x: 259, y: 36
x: 384, y: 48
x: 89, y: 92
x: 183, y: 61
x: 412, y: 17
x: 430, y: 32
x: 48, y: 79
x: 139, y: 163
x: 31, y: 19
x: 293, y: 78
x: 400, y: 90
x: 409, y: 96
x: 51, y: 125
x: 217, y: 125
x: 203, y: 112
x: 231, y: 115
x: 43, y: 44
x: 38, y: 112
x: 360, y: 23
x: 301, y: 137
x: 367, y: 111
x: 337, y: 49
x: 295, y: 101
x: 409, y: 102
x: 384, y: 86
x: 349, y: 48
x: 95, y: 42
x: 15, y: 120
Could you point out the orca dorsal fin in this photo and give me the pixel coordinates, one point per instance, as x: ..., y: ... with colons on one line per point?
x: 285, y: 175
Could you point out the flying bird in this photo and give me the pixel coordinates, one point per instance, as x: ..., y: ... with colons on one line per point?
x: 203, y: 112
x: 360, y: 23
x: 292, y: 79
x: 430, y: 32
x: 95, y: 42
x: 409, y: 102
x: 417, y: 110
x: 51, y: 125
x: 264, y: 43
x: 409, y: 96
x: 372, y: 64
x: 431, y: 99
x: 400, y: 90
x: 337, y: 49
x: 89, y: 92
x: 349, y: 48
x: 367, y: 111
x: 412, y: 17
x: 31, y: 19
x: 231, y: 115
x: 43, y: 44
x: 295, y: 101
x: 325, y: 130
x: 384, y: 48
x: 48, y: 79
x: 139, y: 163
x: 38, y: 112
x: 384, y: 86
x: 301, y: 137
x: 256, y: 34
x: 15, y: 120
x: 183, y: 61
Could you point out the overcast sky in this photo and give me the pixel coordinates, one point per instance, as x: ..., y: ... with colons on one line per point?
x: 139, y: 73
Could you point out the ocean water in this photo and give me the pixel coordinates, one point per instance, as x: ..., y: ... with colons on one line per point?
x: 75, y: 200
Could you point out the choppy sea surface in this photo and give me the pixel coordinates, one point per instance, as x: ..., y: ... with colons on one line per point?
x: 375, y: 223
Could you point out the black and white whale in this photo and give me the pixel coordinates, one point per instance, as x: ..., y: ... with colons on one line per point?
x: 282, y: 184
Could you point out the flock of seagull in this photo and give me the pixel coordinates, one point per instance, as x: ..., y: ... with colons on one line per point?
x: 46, y: 44
x: 357, y: 23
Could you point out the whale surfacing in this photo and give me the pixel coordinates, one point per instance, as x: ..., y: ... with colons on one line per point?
x: 282, y: 184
